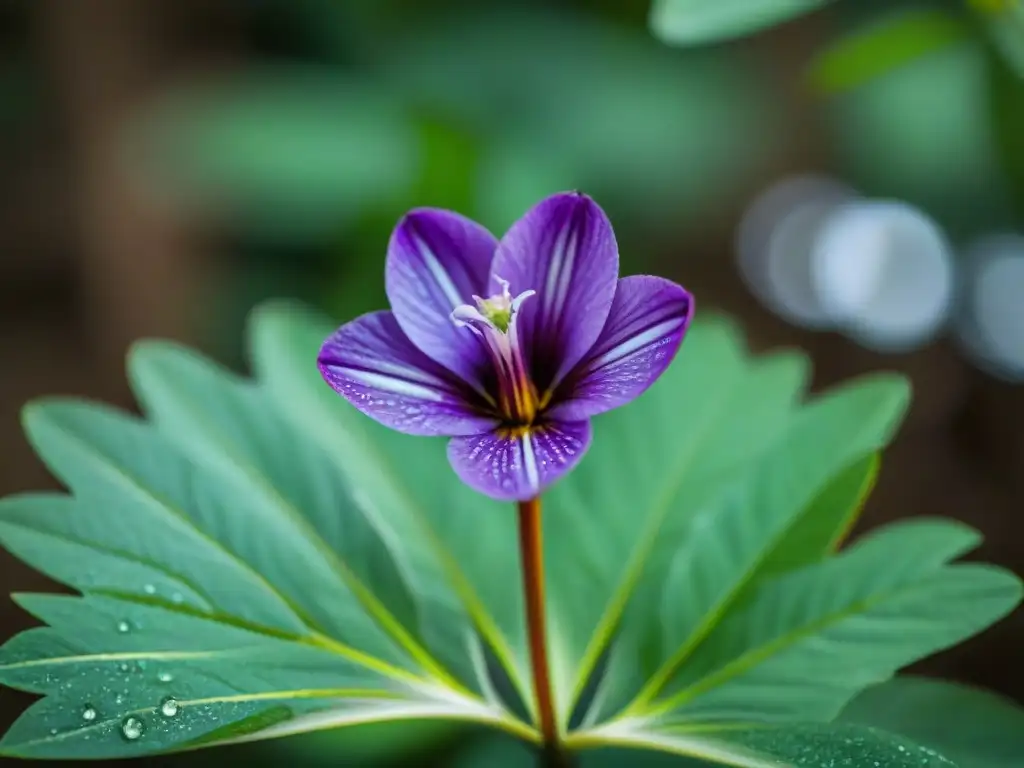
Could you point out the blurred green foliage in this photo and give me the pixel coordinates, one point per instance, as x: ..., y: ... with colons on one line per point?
x: 921, y: 97
x: 350, y: 113
x: 689, y: 22
x: 485, y: 109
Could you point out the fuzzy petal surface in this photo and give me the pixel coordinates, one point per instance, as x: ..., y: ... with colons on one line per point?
x: 645, y: 328
x: 437, y: 260
x: 518, y: 466
x: 564, y: 249
x: 375, y: 366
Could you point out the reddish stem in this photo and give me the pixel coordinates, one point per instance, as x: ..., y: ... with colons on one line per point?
x: 531, y: 551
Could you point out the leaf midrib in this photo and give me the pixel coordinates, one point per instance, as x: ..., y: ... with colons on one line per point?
x: 480, y: 616
x: 755, y: 656
x: 616, y: 606
x: 377, y: 610
x: 170, y: 509
x: 306, y: 693
x: 720, y: 609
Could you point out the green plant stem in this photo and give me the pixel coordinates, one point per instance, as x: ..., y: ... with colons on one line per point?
x: 531, y: 553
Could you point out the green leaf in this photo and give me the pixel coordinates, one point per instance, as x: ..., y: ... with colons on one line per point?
x: 200, y: 585
x: 815, y: 637
x: 257, y: 559
x: 110, y: 458
x: 456, y: 542
x: 883, y: 45
x: 976, y: 728
x: 720, y: 523
x: 676, y: 443
x: 801, y: 744
x: 228, y: 423
x: 793, y: 744
x: 691, y: 22
x: 103, y: 660
x: 820, y: 528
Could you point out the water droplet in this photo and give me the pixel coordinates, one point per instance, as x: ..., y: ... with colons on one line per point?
x: 165, y: 677
x: 88, y: 713
x: 169, y: 707
x: 149, y: 589
x: 53, y: 731
x: 177, y: 598
x: 132, y: 728
x: 124, y: 627
x: 123, y: 666
x: 119, y: 699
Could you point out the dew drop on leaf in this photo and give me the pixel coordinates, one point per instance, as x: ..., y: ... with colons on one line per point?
x: 165, y: 677
x: 149, y: 589
x: 169, y: 707
x: 124, y: 627
x: 177, y: 598
x: 88, y: 713
x: 132, y: 728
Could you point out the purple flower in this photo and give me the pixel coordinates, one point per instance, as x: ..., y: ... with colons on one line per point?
x: 513, y: 379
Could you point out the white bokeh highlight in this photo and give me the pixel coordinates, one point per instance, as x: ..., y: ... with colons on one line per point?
x: 775, y: 243
x: 886, y: 274
x: 990, y: 317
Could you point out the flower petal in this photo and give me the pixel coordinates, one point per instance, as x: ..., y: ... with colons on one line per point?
x: 565, y: 250
x: 646, y: 325
x: 437, y: 260
x: 378, y: 369
x: 516, y: 466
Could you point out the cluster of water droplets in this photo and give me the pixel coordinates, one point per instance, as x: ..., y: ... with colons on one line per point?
x: 133, y: 725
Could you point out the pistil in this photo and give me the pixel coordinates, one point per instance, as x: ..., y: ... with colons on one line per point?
x: 494, y: 321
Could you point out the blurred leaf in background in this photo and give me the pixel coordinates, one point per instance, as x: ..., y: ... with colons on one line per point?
x: 289, y: 152
x: 690, y: 22
x: 596, y: 106
x: 1006, y: 102
x: 484, y: 112
x: 883, y: 45
x: 1005, y: 22
x: 905, y: 133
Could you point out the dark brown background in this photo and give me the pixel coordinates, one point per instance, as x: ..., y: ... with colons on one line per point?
x: 89, y: 262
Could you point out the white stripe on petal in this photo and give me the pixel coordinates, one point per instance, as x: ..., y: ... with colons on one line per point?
x: 636, y: 343
x: 566, y: 271
x: 553, y: 277
x: 389, y: 384
x: 530, y: 461
x: 402, y: 372
x: 440, y: 275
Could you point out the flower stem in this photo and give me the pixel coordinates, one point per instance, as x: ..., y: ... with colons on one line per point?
x: 531, y: 552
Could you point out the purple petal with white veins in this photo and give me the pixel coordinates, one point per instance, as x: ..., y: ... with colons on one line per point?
x: 437, y: 260
x: 376, y: 368
x: 645, y: 327
x: 519, y: 466
x: 565, y: 250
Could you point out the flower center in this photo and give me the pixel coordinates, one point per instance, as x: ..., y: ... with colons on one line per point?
x: 497, y: 309
x: 494, y: 321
